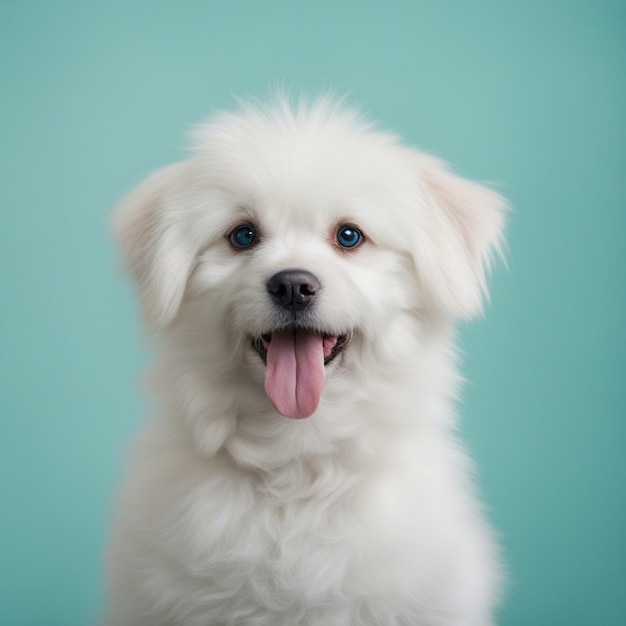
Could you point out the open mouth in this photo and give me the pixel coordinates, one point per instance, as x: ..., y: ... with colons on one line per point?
x: 295, y: 373
x: 332, y: 345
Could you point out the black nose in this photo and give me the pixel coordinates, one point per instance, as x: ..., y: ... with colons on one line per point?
x: 293, y: 289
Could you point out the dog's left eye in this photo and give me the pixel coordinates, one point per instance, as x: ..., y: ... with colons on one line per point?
x: 349, y: 236
x: 243, y: 236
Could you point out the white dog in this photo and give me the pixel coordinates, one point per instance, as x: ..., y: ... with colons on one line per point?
x: 302, y: 272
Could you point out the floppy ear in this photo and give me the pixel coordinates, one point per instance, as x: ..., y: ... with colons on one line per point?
x: 149, y: 231
x: 463, y: 231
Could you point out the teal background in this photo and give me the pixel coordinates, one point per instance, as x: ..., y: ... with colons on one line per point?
x: 529, y: 95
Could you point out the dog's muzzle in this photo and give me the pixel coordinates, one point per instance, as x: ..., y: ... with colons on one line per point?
x: 296, y: 350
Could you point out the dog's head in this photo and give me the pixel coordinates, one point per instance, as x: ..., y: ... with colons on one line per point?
x: 293, y: 240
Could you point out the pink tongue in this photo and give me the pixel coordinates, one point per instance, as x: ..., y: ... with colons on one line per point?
x: 295, y: 374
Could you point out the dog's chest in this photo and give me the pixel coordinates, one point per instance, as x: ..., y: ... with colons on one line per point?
x: 245, y: 540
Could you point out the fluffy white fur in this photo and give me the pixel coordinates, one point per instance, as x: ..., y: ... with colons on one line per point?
x: 364, y: 513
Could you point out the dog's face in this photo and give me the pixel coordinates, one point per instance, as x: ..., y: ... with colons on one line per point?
x: 295, y: 245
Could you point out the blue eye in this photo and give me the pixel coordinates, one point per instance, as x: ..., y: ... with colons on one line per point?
x: 349, y: 236
x: 243, y: 236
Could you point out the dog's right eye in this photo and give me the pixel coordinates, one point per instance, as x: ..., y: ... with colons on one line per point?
x: 243, y: 236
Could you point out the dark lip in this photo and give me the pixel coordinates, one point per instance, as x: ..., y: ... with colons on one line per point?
x: 258, y: 344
